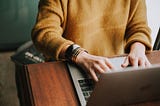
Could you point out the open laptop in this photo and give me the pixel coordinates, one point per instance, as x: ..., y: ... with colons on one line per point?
x: 126, y: 86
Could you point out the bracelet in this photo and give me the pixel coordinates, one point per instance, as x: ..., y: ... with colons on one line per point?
x: 73, y: 51
x: 70, y: 50
x: 76, y: 53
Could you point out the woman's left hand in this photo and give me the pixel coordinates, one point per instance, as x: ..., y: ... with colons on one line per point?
x: 137, y: 56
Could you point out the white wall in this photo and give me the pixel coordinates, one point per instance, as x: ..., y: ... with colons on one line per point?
x: 153, y: 14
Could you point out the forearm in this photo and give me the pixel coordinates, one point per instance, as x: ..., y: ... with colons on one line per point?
x: 137, y: 46
x: 49, y: 28
x: 137, y: 28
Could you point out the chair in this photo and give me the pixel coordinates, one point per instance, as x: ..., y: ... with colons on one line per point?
x: 157, y: 42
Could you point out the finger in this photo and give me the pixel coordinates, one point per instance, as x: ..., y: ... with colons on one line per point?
x: 107, y: 69
x: 99, y: 69
x: 109, y: 65
x: 142, y: 63
x: 134, y: 62
x: 94, y: 76
x: 126, y: 62
x: 147, y: 63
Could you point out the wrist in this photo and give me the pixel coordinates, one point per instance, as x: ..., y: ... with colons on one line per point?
x: 81, y: 57
x: 73, y: 51
x: 62, y: 53
x: 138, y: 46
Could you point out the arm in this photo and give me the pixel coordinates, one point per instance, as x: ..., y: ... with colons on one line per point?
x: 138, y: 38
x: 47, y: 37
x: 49, y: 27
x: 137, y: 29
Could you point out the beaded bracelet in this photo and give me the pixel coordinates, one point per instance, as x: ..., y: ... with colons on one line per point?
x: 76, y: 53
x: 73, y: 51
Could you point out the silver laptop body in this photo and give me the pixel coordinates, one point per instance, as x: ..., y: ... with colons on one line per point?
x: 129, y: 86
x: 125, y: 86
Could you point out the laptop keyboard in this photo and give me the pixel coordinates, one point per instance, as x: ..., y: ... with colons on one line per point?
x: 87, y: 86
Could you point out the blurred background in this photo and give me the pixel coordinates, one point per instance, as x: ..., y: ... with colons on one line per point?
x: 16, y: 21
x: 17, y: 18
x: 153, y: 14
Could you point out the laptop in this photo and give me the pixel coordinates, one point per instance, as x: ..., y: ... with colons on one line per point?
x: 123, y: 87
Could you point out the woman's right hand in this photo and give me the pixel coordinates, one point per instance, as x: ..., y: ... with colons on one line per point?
x: 94, y: 64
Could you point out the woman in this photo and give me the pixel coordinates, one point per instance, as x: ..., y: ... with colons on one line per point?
x: 86, y: 32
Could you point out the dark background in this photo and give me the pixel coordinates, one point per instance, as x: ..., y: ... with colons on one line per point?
x: 17, y: 18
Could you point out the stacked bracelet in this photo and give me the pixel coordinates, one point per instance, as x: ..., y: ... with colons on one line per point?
x: 76, y: 53
x: 73, y: 51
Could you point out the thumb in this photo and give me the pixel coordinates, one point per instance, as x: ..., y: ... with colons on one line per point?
x: 125, y: 63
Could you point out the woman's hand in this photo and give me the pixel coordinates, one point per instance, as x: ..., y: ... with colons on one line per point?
x: 93, y: 64
x: 136, y: 56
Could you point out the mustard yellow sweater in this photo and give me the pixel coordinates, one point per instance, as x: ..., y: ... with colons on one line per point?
x: 102, y: 27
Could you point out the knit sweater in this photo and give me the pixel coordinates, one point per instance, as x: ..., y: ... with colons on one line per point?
x: 102, y: 27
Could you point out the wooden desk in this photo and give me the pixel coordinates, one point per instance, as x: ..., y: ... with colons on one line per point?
x: 49, y: 84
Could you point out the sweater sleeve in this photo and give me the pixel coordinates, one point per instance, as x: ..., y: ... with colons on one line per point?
x: 137, y: 29
x: 48, y: 30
